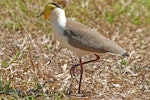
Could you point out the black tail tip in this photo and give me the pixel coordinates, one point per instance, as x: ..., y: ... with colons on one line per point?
x: 125, y: 54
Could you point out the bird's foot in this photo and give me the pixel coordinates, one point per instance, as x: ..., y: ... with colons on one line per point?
x: 73, y: 70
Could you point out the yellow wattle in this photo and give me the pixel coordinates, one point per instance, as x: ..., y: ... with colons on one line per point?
x: 46, y: 15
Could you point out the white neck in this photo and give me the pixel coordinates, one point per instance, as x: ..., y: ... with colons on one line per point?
x: 58, y: 20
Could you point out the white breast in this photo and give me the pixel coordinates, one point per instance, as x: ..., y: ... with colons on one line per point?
x: 58, y: 24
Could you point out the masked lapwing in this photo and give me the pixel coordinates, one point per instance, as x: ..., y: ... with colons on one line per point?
x: 79, y: 38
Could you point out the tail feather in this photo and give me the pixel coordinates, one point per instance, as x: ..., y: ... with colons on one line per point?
x: 125, y: 54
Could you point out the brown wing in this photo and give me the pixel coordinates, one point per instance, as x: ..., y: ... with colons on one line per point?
x: 83, y: 37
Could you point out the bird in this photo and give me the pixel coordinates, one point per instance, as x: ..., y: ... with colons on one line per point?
x: 79, y: 38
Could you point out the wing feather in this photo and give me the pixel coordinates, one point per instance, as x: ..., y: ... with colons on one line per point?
x: 86, y: 38
x: 83, y: 37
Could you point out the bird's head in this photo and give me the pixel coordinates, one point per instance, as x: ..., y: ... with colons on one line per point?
x: 48, y: 9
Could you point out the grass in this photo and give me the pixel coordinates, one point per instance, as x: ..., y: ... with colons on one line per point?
x: 33, y: 65
x: 4, y: 86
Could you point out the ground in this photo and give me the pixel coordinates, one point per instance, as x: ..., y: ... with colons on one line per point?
x: 34, y: 65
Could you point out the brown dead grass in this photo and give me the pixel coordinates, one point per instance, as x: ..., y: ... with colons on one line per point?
x: 31, y: 56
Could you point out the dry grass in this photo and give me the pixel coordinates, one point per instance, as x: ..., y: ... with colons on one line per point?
x: 30, y: 55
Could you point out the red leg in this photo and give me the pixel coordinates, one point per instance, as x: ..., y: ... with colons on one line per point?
x: 81, y: 72
x: 72, y: 70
